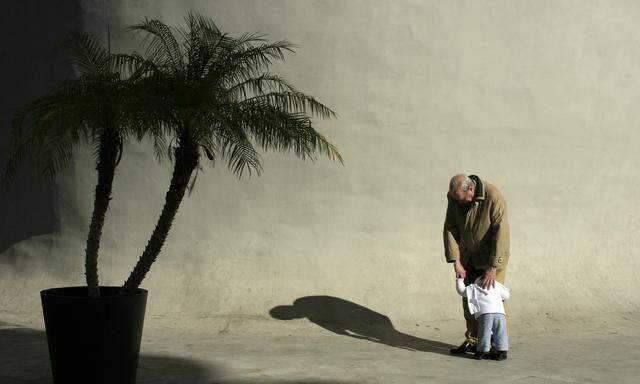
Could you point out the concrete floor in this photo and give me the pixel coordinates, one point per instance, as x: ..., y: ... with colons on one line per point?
x: 245, y: 350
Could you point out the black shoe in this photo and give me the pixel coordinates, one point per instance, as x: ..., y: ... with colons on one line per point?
x: 500, y: 355
x: 463, y: 348
x: 480, y: 355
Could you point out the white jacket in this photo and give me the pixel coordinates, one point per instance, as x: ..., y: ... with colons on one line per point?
x: 482, y: 300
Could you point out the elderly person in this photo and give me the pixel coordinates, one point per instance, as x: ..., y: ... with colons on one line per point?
x: 476, y: 240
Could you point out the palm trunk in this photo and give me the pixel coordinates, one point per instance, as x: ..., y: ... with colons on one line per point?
x: 186, y: 160
x: 106, y: 168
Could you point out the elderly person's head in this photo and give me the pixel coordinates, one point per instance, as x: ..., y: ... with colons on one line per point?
x: 462, y: 188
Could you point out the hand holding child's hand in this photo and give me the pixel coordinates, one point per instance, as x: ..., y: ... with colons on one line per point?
x: 459, y: 269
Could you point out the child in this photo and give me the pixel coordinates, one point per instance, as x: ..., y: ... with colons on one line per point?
x: 486, y: 305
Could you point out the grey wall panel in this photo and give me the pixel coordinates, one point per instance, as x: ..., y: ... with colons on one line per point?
x: 538, y: 97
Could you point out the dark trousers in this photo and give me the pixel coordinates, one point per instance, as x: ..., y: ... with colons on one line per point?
x: 472, y: 324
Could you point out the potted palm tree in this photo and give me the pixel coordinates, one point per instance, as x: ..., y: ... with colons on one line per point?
x: 92, y: 108
x: 197, y: 92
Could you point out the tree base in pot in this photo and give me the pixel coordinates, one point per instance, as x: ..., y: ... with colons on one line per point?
x: 93, y: 340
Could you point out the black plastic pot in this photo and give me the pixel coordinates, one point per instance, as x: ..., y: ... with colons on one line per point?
x: 93, y: 340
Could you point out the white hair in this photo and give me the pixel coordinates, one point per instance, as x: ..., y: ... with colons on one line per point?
x: 464, y: 182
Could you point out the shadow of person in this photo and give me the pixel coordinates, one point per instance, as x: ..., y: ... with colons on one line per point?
x: 350, y: 319
x: 24, y: 357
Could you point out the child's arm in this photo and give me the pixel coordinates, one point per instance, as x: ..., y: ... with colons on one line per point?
x: 504, y: 293
x: 460, y: 287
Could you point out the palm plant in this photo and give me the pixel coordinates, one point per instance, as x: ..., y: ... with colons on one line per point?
x: 89, y: 108
x: 211, y: 94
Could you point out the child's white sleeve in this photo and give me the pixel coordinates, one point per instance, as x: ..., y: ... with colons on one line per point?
x: 460, y: 287
x: 505, y: 293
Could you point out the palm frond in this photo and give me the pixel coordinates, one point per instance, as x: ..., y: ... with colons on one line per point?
x: 162, y: 46
x: 276, y: 129
x: 294, y: 102
x: 240, y: 63
x: 199, y: 22
x: 19, y: 150
x: 235, y: 146
x: 132, y: 66
x: 56, y: 151
x: 260, y: 85
x: 50, y: 143
x: 86, y: 52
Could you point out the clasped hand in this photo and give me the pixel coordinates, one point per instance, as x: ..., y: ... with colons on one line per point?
x: 488, y: 279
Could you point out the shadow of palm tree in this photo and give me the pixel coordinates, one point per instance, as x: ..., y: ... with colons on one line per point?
x: 350, y: 319
x: 24, y: 357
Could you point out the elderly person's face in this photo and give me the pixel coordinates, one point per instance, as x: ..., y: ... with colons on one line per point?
x: 463, y: 197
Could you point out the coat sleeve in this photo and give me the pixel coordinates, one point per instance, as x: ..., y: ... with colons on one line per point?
x: 451, y: 235
x: 500, y: 228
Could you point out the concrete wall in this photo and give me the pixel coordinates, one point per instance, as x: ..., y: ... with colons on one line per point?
x: 538, y: 97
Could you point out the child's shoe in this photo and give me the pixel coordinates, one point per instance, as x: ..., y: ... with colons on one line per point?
x: 480, y: 355
x: 500, y: 355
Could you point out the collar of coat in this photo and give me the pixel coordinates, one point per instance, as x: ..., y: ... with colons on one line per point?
x: 479, y: 195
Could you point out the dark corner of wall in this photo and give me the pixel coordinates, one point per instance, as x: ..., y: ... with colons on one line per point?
x: 29, y: 66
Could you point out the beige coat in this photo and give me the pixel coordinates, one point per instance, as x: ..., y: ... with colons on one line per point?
x: 481, y: 234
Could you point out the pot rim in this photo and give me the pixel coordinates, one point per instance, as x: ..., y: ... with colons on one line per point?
x: 57, y: 292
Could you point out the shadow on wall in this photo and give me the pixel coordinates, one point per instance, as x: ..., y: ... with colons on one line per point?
x: 29, y: 66
x: 350, y: 319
